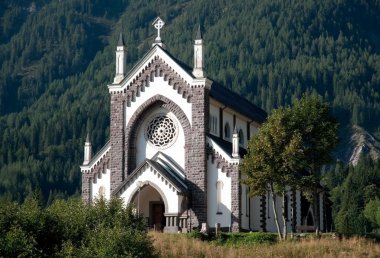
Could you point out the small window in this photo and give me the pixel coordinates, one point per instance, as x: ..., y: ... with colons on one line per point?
x: 213, y: 124
x: 219, y: 188
x: 227, y: 131
x: 241, y: 137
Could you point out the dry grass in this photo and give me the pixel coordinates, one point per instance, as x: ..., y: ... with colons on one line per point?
x: 179, y: 245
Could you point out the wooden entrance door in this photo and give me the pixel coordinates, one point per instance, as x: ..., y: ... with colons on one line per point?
x: 158, y: 218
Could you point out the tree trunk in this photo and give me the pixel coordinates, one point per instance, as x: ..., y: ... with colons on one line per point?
x: 284, y: 229
x: 316, y: 210
x: 275, y: 212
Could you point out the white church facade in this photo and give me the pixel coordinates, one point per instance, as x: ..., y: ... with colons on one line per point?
x: 176, y: 141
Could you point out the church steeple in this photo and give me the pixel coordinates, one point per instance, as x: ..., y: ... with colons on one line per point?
x: 198, y: 55
x: 87, y: 151
x: 121, y: 60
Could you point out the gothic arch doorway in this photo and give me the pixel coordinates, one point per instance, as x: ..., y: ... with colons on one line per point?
x: 150, y: 204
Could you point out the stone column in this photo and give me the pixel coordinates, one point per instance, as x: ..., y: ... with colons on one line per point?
x: 86, y: 188
x: 196, y: 164
x: 117, y: 140
x: 263, y: 213
x: 235, y: 198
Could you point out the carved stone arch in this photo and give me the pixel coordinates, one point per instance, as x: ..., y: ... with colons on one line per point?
x: 137, y: 119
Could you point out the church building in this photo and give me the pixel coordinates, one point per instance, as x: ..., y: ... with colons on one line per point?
x: 176, y: 141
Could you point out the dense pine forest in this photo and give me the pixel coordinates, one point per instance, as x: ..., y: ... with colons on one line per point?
x: 56, y: 58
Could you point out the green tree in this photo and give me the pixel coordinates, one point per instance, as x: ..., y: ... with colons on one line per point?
x: 290, y: 149
x: 273, y: 159
x: 372, y: 213
x: 312, y: 119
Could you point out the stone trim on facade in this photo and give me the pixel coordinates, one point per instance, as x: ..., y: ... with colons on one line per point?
x: 123, y: 142
x: 138, y: 118
x: 196, y: 158
x: 263, y: 213
x: 155, y: 68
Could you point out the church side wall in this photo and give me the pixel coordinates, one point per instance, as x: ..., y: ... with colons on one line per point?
x: 244, y: 208
x: 228, y: 118
x: 218, y: 212
x: 242, y: 125
x: 214, y: 120
x: 255, y: 215
x: 253, y: 129
x: 270, y: 222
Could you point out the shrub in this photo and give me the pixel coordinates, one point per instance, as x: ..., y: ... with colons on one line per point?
x: 72, y: 229
x: 196, y: 234
x: 238, y: 239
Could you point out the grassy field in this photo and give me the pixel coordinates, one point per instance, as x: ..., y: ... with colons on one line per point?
x: 180, y: 245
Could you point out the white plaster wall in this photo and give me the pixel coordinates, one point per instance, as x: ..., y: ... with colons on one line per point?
x: 271, y: 224
x: 255, y: 223
x: 146, y: 175
x: 146, y: 150
x: 253, y: 129
x: 103, y: 179
x: 244, y: 208
x: 159, y: 87
x: 214, y: 111
x: 228, y: 117
x: 213, y: 175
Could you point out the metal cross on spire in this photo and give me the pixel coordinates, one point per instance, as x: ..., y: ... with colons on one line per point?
x: 158, y: 24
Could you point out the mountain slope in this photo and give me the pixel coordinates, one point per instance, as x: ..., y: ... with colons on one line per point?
x: 58, y: 59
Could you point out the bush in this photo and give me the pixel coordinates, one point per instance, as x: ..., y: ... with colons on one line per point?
x: 72, y: 229
x: 237, y: 239
x: 196, y: 234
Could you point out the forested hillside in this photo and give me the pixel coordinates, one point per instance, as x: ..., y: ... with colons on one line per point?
x: 58, y: 56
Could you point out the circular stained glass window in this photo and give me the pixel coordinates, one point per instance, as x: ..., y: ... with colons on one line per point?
x: 161, y: 131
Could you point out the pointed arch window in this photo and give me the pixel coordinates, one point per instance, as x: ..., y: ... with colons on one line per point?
x: 227, y: 131
x: 241, y: 137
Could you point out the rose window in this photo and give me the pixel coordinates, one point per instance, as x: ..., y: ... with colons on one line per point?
x: 161, y: 131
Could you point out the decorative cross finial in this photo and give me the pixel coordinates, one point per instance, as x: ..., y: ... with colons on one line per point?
x: 158, y: 24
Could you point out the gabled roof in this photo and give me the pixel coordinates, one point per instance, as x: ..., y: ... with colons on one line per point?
x: 237, y: 102
x: 169, y: 175
x: 229, y: 98
x: 186, y: 72
x: 218, y: 91
x: 226, y: 146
